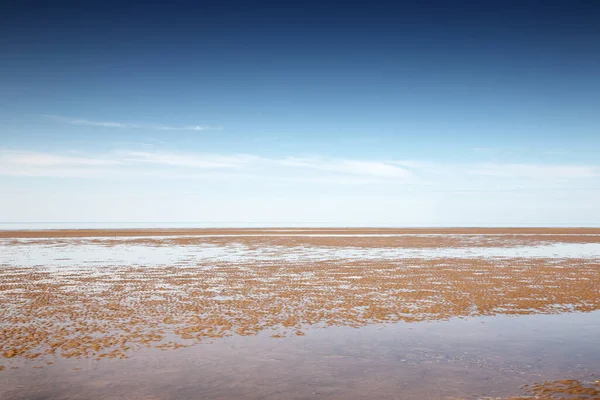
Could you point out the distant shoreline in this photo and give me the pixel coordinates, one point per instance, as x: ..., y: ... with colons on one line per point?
x: 237, y: 231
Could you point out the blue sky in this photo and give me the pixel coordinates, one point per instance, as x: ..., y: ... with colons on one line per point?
x: 406, y: 115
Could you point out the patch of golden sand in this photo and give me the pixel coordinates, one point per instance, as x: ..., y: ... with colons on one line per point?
x: 561, y: 389
x: 106, y: 312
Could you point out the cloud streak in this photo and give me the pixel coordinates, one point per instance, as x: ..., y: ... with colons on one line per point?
x: 131, y: 164
x: 122, y: 125
x: 533, y: 171
x: 189, y: 160
x: 354, y: 167
x: 499, y: 171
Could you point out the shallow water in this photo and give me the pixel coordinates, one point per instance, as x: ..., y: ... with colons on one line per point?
x: 462, y: 323
x: 470, y: 359
x: 75, y: 252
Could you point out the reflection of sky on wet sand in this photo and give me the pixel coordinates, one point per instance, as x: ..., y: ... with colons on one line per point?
x: 77, y: 254
x: 468, y: 359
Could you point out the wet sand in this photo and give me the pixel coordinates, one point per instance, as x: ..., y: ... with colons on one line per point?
x: 300, y: 313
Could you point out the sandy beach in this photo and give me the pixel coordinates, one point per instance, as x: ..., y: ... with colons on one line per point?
x: 77, y: 301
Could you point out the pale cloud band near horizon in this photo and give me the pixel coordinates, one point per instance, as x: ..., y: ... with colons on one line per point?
x: 130, y: 163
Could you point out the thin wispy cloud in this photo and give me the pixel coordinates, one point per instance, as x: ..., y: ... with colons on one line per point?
x: 39, y: 159
x: 531, y: 171
x: 123, y: 125
x: 537, y: 171
x: 129, y: 163
x: 355, y: 167
x: 189, y: 160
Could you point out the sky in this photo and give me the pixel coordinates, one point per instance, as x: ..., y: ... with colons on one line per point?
x: 428, y: 113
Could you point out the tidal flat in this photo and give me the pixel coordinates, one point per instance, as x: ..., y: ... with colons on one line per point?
x: 300, y: 313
